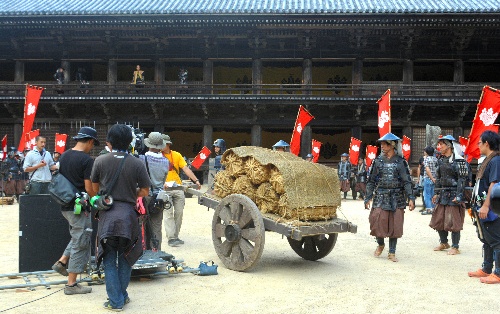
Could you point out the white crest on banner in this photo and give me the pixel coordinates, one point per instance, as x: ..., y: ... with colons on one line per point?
x: 488, y: 116
x: 61, y: 143
x: 31, y: 109
x: 355, y: 148
x: 372, y: 155
x: 406, y: 147
x: 316, y: 149
x: 383, y: 119
x: 299, y: 128
x: 203, y: 156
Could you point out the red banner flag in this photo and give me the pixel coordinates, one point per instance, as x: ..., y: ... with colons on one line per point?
x: 201, y: 157
x: 406, y: 147
x: 31, y: 139
x: 4, y: 147
x: 384, y: 113
x: 371, y: 154
x: 463, y: 142
x: 303, y: 118
x: 316, y: 147
x: 32, y: 98
x: 61, y: 142
x: 486, y: 114
x: 354, y: 151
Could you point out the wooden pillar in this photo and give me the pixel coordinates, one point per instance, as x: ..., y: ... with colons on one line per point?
x: 305, y: 141
x: 408, y: 71
x: 357, y: 75
x: 457, y: 132
x: 112, y: 72
x: 208, y: 75
x: 458, y: 72
x: 18, y: 132
x: 257, y: 75
x: 208, y: 131
x: 307, y: 76
x: 356, y: 132
x: 66, y: 65
x: 19, y: 72
x: 159, y: 72
x: 256, y: 135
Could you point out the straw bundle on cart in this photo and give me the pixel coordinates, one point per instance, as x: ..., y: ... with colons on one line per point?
x: 293, y: 188
x: 244, y: 186
x: 7, y: 200
x: 223, y: 184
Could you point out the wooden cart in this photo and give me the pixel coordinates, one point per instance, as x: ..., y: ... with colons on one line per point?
x: 238, y: 231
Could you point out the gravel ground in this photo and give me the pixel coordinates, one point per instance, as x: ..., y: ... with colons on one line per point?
x: 348, y: 280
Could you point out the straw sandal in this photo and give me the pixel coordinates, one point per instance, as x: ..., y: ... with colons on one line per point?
x: 379, y: 250
x: 453, y: 251
x: 478, y: 273
x: 491, y: 279
x: 392, y: 257
x: 442, y: 247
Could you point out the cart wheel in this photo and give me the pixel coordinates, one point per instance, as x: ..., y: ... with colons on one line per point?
x: 314, y: 247
x: 238, y: 232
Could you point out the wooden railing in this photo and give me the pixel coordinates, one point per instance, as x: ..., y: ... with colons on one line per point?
x: 368, y: 89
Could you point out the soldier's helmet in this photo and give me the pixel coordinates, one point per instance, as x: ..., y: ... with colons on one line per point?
x: 388, y: 137
x: 221, y: 144
x: 281, y: 144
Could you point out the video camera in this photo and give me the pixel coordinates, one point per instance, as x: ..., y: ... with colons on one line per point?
x: 137, y: 146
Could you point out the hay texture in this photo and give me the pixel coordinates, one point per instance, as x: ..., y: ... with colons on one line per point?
x: 244, y: 186
x: 7, y: 200
x: 289, y: 187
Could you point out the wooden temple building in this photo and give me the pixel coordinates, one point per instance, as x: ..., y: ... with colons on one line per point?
x: 239, y: 69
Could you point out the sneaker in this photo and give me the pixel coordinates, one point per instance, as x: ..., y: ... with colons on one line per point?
x: 59, y: 267
x: 180, y: 241
x: 127, y: 300
x: 108, y: 306
x: 76, y: 289
x: 173, y: 242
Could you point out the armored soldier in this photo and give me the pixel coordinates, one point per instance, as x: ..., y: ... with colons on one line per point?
x: 219, y: 149
x: 14, y: 179
x: 451, y: 176
x: 389, y: 185
x: 344, y: 173
x: 361, y: 174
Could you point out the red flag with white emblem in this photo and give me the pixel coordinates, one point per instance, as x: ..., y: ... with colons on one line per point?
x: 354, y: 151
x: 384, y: 113
x: 303, y: 118
x: 406, y: 147
x: 486, y: 114
x: 61, y: 142
x: 31, y: 139
x: 33, y: 94
x: 371, y: 154
x: 316, y: 147
x: 4, y: 147
x: 201, y: 157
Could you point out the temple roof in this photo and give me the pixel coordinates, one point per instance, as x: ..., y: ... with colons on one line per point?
x: 242, y: 7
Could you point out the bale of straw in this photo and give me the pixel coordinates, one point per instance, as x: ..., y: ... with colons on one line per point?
x: 266, y: 198
x: 7, y: 200
x: 257, y: 172
x: 243, y: 185
x: 223, y: 184
x: 276, y: 180
x: 234, y: 164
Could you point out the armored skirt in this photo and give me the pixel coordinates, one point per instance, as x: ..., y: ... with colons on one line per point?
x: 344, y: 186
x: 448, y: 217
x: 386, y: 223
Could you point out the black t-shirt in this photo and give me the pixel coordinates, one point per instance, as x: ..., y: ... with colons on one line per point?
x: 132, y: 176
x: 491, y: 174
x: 76, y: 166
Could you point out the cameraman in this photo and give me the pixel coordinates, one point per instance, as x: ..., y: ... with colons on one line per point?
x: 157, y: 166
x: 119, y: 232
x: 76, y: 166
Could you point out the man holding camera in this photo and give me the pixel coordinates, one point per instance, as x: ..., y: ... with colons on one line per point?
x: 125, y: 179
x: 157, y: 166
x: 40, y: 163
x: 76, y: 166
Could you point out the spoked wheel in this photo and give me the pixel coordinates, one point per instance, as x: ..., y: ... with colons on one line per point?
x: 314, y: 247
x: 238, y: 232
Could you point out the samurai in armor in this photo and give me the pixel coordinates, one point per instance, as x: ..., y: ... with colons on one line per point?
x: 486, y: 208
x: 388, y: 188
x: 344, y: 173
x: 219, y: 149
x: 13, y: 178
x: 451, y: 177
x: 361, y: 174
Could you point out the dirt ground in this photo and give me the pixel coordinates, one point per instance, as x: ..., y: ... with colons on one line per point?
x: 348, y: 280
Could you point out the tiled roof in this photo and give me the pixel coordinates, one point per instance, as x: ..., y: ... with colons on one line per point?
x: 235, y: 7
